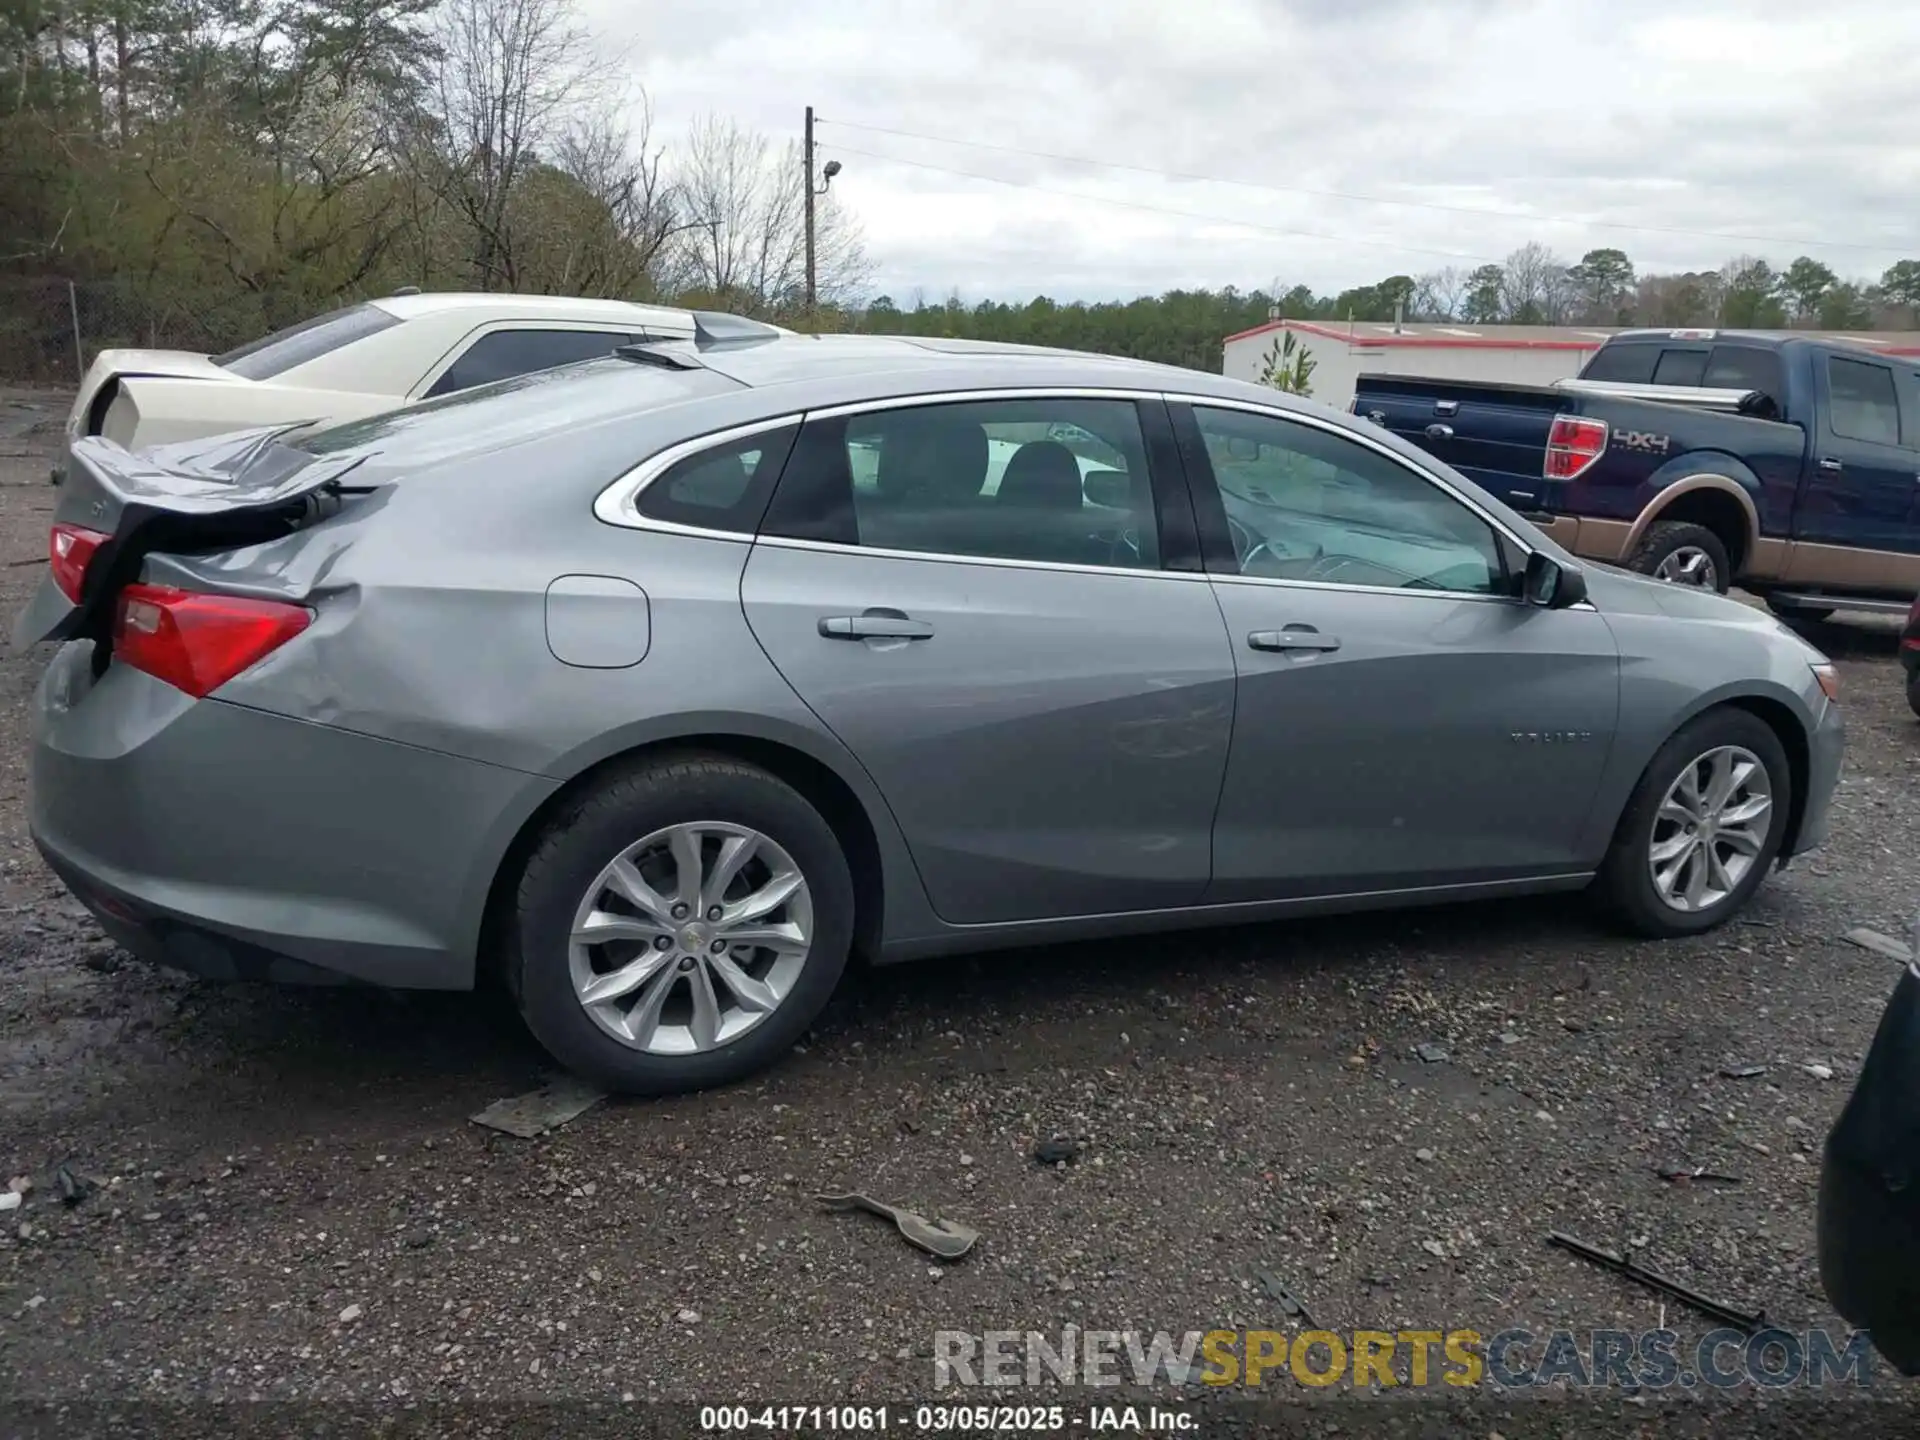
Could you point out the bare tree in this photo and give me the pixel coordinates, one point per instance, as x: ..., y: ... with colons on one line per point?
x: 743, y: 207
x: 617, y: 169
x: 1534, y: 287
x: 513, y: 78
x: 1441, y: 294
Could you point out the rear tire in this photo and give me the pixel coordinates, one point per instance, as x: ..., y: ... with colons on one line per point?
x: 1683, y: 553
x: 1651, y: 839
x: 706, y: 1014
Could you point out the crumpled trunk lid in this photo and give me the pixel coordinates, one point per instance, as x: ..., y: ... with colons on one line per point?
x: 237, y: 489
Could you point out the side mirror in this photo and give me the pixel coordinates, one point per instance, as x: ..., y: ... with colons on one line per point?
x: 1108, y: 488
x: 1551, y: 585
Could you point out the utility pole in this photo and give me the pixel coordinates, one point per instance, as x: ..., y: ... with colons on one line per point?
x: 807, y: 180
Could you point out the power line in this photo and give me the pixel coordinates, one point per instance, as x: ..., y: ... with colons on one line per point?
x: 1363, y: 199
x: 1233, y: 221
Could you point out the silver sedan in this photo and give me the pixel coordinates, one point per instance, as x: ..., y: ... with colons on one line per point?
x: 662, y: 684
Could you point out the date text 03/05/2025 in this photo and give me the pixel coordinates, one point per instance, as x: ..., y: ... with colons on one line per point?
x: 944, y: 1419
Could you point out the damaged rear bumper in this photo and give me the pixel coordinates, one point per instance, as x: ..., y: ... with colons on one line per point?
x: 238, y: 844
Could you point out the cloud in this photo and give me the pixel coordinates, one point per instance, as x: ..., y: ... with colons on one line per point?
x: 1731, y: 126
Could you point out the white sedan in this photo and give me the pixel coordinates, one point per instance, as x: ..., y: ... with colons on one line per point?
x: 359, y: 360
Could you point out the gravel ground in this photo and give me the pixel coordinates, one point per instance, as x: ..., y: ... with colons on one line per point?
x: 295, y: 1207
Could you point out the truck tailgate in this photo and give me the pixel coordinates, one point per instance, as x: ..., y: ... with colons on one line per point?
x: 1496, y: 435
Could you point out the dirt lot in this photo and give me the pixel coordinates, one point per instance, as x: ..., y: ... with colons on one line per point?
x: 295, y: 1206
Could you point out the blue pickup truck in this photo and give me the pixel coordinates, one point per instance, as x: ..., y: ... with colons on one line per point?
x: 1787, y: 465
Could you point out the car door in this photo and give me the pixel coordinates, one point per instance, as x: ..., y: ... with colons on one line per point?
x: 1859, y: 491
x: 1044, y: 702
x: 1403, y: 720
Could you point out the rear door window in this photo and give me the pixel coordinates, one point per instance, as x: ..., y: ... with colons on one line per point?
x: 279, y: 352
x: 503, y: 354
x: 1680, y: 367
x: 1863, y: 403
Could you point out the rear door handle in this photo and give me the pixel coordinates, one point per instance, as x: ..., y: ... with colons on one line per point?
x: 874, y: 627
x: 1439, y: 432
x: 1292, y: 640
x: 1832, y: 467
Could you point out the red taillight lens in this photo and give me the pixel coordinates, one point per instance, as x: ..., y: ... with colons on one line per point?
x: 70, y: 549
x: 1573, y: 445
x: 196, y: 642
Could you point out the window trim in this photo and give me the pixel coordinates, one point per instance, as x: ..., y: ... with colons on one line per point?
x: 616, y: 503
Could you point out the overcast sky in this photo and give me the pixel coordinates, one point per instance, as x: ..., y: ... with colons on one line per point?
x: 1770, y: 125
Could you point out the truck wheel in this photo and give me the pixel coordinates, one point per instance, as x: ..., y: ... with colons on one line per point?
x: 1702, y: 827
x: 1683, y: 553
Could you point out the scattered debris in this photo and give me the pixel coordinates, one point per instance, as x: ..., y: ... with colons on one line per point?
x: 9, y: 1200
x: 1434, y: 1248
x: 1291, y: 1304
x: 73, y: 1188
x: 1509, y: 1037
x: 1818, y: 1071
x: 1881, y: 944
x: 944, y: 1239
x: 1432, y: 1054
x: 20, y: 1185
x: 533, y: 1115
x: 1684, y: 1174
x: 1622, y: 1266
x: 1742, y: 1072
x: 1571, y: 1025
x: 350, y: 1314
x: 688, y: 1317
x: 1057, y: 1151
x: 1423, y: 1154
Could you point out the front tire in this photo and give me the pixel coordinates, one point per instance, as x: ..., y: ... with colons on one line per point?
x: 679, y: 926
x: 1701, y: 828
x: 1683, y: 553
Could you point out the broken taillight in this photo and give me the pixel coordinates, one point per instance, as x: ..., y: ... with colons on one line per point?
x: 197, y: 642
x: 1573, y: 444
x: 70, y: 549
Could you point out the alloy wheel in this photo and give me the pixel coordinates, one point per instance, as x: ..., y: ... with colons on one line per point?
x: 1688, y: 565
x: 691, y: 938
x: 1711, y: 828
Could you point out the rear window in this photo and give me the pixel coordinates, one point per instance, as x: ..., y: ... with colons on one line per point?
x: 1865, y: 405
x: 1746, y: 367
x: 1680, y: 367
x: 279, y: 352
x: 508, y: 412
x: 1623, y: 364
x: 505, y: 353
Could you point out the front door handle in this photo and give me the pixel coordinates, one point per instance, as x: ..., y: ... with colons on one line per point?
x: 1439, y: 432
x: 1292, y: 639
x: 893, y: 626
x: 1832, y: 467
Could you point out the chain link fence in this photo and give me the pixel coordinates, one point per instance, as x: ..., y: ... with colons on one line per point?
x: 51, y: 329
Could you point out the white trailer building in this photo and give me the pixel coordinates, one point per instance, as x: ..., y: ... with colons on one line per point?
x: 1342, y: 353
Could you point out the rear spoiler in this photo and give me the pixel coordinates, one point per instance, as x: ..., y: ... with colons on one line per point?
x: 234, y: 490
x: 1730, y: 402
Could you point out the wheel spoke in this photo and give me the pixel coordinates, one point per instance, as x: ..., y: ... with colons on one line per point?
x: 1696, y: 887
x: 1668, y: 878
x: 1746, y: 811
x: 762, y: 902
x: 602, y: 926
x: 684, y: 842
x: 734, y: 853
x: 625, y: 880
x: 644, y: 1019
x: 1720, y: 781
x: 1743, y: 840
x: 705, y: 1025
x: 1717, y: 870
x: 1670, y: 849
x: 786, y: 938
x: 625, y: 980
x: 754, y: 995
x: 1674, y: 810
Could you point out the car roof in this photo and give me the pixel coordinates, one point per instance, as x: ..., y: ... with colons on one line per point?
x: 480, y: 306
x: 862, y: 367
